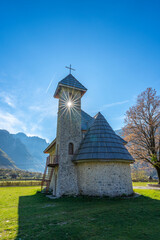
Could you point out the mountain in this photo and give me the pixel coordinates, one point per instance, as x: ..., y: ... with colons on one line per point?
x: 5, y: 161
x: 26, y: 152
x: 35, y: 146
x: 16, y: 150
x: 119, y: 132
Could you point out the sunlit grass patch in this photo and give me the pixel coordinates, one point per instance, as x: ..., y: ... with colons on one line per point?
x: 142, y: 183
x: 26, y: 214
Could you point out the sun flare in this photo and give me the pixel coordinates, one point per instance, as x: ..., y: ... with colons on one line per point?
x: 69, y: 104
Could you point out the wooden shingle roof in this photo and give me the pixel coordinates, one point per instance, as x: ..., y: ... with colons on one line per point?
x: 101, y: 142
x: 71, y: 82
x: 86, y: 121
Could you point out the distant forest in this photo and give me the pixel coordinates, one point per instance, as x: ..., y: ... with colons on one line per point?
x: 19, y: 174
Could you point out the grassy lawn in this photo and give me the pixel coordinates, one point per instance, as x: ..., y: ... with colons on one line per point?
x: 143, y: 183
x: 26, y: 214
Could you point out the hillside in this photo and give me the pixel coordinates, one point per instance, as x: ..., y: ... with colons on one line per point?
x: 5, y: 161
x: 26, y: 152
x: 34, y: 145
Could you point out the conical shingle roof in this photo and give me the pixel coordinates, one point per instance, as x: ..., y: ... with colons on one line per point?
x: 72, y: 82
x: 102, y: 143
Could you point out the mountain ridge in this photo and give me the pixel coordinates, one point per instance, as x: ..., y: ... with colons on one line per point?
x: 5, y: 161
x: 26, y: 152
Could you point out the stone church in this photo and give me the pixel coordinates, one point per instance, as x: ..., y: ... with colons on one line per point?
x: 86, y: 157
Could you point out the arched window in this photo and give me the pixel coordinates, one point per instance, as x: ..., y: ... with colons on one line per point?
x: 70, y: 149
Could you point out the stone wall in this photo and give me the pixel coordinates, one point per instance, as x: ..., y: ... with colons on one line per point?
x: 104, y: 178
x: 68, y: 130
x: 54, y: 181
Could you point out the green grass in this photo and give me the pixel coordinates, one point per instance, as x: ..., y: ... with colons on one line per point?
x: 26, y: 214
x: 143, y: 183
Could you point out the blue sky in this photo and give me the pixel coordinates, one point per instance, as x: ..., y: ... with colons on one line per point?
x: 113, y: 45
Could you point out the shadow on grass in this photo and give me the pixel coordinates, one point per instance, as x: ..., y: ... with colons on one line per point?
x: 84, y: 218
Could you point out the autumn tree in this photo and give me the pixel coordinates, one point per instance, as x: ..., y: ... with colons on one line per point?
x: 142, y: 129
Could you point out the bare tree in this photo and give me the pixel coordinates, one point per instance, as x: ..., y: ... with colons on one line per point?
x: 142, y: 128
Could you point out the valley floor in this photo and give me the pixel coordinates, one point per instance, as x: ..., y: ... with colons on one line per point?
x: 27, y: 214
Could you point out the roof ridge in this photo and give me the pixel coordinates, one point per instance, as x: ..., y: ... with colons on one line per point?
x: 72, y: 78
x: 97, y: 114
x: 71, y: 82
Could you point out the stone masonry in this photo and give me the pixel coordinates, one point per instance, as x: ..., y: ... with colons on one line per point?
x: 68, y: 131
x: 100, y: 178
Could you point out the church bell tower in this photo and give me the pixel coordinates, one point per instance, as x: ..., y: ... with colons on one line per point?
x: 69, y: 92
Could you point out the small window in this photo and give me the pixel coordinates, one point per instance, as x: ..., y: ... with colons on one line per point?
x: 70, y: 149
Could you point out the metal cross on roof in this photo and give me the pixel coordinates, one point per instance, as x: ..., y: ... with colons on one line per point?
x: 70, y: 69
